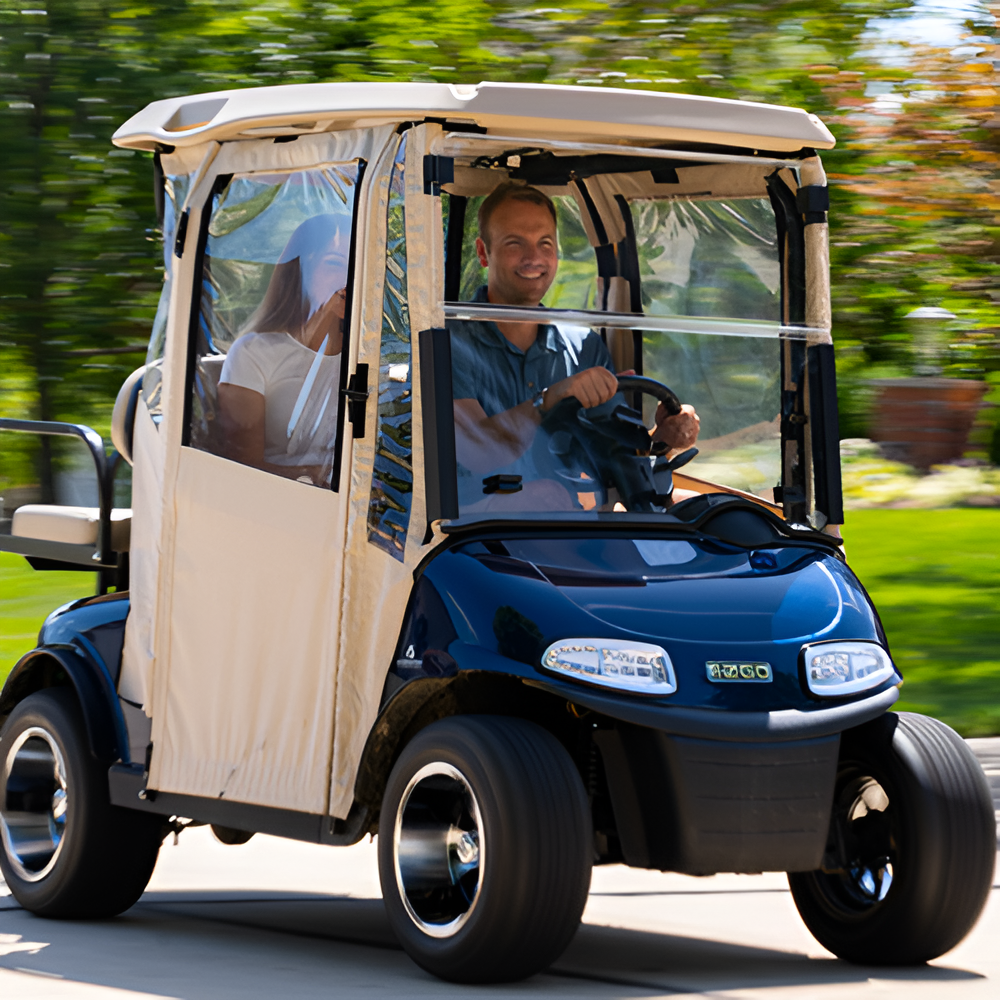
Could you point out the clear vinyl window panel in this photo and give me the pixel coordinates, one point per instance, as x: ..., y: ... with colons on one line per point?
x: 392, y: 479
x: 574, y: 460
x: 716, y: 258
x: 175, y: 189
x: 270, y: 334
x: 683, y: 288
x: 734, y: 384
x: 705, y: 257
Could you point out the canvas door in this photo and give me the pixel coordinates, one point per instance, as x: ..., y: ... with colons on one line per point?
x: 258, y: 528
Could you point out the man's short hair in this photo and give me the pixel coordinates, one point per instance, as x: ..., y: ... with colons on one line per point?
x: 510, y: 191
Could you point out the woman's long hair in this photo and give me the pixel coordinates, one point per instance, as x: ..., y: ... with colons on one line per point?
x: 288, y: 303
x: 282, y: 309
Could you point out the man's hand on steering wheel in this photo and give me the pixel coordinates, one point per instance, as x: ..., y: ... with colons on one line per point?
x: 591, y: 387
x: 594, y: 386
x: 678, y: 431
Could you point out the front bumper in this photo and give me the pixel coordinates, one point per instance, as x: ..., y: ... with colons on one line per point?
x: 704, y: 806
x: 783, y: 725
x: 706, y: 790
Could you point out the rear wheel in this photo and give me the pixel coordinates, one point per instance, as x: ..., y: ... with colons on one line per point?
x: 66, y: 851
x: 485, y: 849
x: 909, y: 862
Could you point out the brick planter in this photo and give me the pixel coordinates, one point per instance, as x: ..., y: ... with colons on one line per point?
x: 925, y: 421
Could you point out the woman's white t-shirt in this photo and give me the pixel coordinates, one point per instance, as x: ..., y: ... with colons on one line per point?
x: 301, y: 392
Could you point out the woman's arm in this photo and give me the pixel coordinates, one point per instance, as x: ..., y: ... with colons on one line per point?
x: 241, y: 419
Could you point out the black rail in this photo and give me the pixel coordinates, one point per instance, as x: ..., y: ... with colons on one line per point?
x: 101, y: 558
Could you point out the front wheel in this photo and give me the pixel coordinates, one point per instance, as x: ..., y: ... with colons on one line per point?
x: 485, y: 849
x: 66, y: 851
x: 909, y: 862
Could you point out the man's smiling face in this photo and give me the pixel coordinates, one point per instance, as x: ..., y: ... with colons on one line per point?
x: 522, y: 253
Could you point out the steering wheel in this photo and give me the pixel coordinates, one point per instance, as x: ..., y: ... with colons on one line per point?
x: 611, y: 447
x: 640, y: 383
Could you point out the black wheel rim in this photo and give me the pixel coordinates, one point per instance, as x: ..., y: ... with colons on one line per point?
x: 861, y: 859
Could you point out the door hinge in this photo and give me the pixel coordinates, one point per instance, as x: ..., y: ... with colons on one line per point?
x: 356, y: 395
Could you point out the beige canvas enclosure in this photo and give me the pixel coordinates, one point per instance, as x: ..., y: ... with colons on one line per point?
x: 265, y: 611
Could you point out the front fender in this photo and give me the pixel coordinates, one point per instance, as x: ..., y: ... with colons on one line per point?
x: 64, y: 665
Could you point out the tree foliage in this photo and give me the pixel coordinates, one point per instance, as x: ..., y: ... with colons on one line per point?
x: 914, y: 218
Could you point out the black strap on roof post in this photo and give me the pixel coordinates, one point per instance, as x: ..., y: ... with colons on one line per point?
x: 158, y: 192
x: 792, y: 255
x: 825, y: 430
x: 181, y: 237
x: 352, y: 263
x: 438, y: 170
x: 595, y: 217
x: 813, y: 202
x: 454, y: 241
x: 449, y: 126
x: 628, y: 267
x: 628, y: 257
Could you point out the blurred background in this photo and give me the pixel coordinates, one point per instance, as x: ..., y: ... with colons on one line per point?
x: 909, y: 90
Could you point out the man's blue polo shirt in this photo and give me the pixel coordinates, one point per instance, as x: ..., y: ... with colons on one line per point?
x: 487, y: 367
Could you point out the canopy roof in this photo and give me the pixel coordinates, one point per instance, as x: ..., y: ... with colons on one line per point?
x: 522, y: 109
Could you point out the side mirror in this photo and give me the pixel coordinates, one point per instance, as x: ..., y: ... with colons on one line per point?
x: 123, y: 415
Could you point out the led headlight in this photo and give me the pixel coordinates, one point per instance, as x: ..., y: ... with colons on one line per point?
x: 835, y: 669
x: 625, y: 666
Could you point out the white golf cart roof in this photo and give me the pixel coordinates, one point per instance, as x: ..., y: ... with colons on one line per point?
x: 521, y: 109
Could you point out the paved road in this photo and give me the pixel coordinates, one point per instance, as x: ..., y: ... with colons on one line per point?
x: 279, y: 919
x: 988, y: 752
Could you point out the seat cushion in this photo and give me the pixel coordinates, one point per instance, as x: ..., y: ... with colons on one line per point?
x: 75, y: 525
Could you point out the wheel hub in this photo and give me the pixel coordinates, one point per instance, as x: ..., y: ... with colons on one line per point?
x: 34, y: 804
x: 865, y: 842
x: 438, y: 850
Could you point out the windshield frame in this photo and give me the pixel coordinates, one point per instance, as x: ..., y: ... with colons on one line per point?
x: 809, y: 491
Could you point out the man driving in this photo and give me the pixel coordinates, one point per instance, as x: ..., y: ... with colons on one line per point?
x: 507, y: 376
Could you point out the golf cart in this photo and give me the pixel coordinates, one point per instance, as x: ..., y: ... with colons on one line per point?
x: 325, y: 615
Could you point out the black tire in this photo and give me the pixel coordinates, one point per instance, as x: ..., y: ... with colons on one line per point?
x: 911, y: 803
x: 509, y: 910
x: 91, y: 859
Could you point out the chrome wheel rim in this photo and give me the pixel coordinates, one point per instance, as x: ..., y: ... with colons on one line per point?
x: 34, y: 804
x: 439, y: 850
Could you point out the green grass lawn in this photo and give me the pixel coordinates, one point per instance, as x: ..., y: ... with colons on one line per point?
x: 26, y: 597
x: 935, y: 577
x: 933, y: 574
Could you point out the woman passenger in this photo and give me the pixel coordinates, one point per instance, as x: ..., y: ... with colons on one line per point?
x: 279, y: 387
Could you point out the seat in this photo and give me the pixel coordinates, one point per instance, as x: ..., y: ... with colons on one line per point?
x: 74, y: 525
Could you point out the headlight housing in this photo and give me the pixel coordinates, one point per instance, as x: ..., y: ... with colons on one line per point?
x: 836, y: 669
x: 636, y: 667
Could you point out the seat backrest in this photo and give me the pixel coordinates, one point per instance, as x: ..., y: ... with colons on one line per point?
x: 209, y: 438
x: 211, y: 366
x: 123, y: 414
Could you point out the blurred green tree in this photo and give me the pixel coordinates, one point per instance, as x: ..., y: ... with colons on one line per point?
x: 78, y: 248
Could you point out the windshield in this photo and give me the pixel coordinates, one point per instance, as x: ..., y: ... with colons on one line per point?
x: 610, y: 457
x: 608, y: 315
